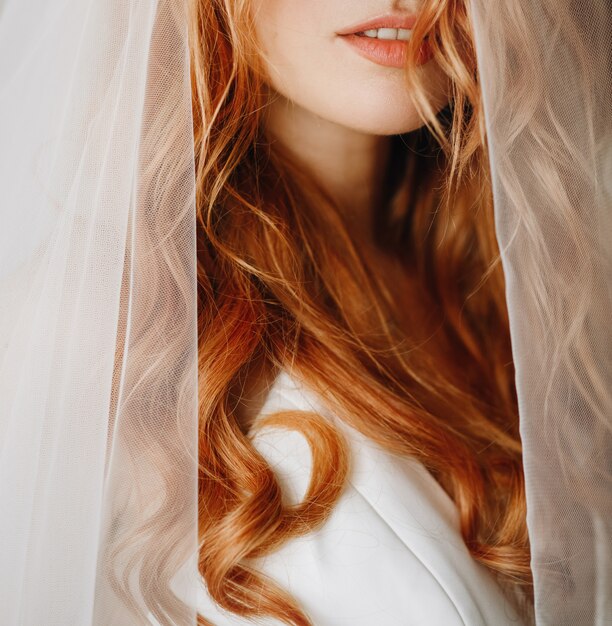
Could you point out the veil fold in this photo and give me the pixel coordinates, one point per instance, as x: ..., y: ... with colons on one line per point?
x: 98, y: 302
x: 546, y: 74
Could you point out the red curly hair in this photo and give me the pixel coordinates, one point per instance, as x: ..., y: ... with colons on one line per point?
x: 282, y: 284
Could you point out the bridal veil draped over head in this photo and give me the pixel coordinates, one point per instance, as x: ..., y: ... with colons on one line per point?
x: 98, y: 293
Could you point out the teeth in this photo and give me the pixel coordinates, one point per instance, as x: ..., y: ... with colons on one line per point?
x: 402, y: 34
x: 387, y: 33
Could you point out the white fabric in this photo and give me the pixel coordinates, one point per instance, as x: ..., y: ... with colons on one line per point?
x: 390, y: 554
x: 98, y: 342
x: 546, y: 74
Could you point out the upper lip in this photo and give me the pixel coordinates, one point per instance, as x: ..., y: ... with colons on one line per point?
x: 382, y: 21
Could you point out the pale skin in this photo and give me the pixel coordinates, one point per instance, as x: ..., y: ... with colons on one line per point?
x: 348, y: 163
x: 334, y: 109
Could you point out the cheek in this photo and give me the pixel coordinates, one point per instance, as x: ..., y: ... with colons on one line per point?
x: 291, y: 38
x: 313, y: 68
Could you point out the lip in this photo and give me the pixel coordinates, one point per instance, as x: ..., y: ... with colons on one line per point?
x: 382, y: 21
x: 389, y: 53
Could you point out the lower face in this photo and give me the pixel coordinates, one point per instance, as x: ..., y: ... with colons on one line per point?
x: 343, y: 60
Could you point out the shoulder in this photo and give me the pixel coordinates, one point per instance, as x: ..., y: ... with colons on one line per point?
x: 389, y: 554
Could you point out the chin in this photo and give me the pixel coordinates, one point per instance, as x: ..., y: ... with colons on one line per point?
x: 375, y: 116
x: 375, y: 104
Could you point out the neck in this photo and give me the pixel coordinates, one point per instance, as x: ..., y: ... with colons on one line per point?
x: 350, y: 165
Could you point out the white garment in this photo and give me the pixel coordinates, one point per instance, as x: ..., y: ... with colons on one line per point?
x: 390, y: 554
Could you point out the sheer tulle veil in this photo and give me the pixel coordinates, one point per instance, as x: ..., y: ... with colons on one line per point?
x: 98, y: 314
x: 546, y: 75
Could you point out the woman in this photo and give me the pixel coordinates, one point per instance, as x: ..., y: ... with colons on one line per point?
x: 350, y: 277
x: 310, y: 414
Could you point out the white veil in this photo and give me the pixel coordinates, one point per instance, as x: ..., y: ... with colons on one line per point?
x: 98, y: 340
x: 98, y: 292
x: 546, y: 75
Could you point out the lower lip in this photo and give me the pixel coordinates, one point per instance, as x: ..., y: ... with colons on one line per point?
x: 387, y: 52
